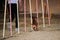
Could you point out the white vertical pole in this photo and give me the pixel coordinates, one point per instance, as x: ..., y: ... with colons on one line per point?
x: 43, y: 13
x: 48, y: 12
x: 10, y: 19
x: 25, y: 14
x: 18, y: 17
x: 30, y: 12
x: 4, y: 18
x: 37, y: 11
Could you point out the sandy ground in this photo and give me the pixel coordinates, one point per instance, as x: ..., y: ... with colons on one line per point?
x: 36, y: 35
x: 47, y: 33
x: 40, y: 35
x: 44, y: 33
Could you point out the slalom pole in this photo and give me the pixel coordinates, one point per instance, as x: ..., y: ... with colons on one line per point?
x: 10, y: 19
x: 37, y: 11
x: 43, y: 13
x: 48, y: 13
x: 4, y: 18
x: 18, y: 17
x: 25, y: 14
x: 30, y: 12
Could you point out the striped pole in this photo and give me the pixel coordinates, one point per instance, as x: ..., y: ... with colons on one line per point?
x: 10, y: 19
x: 30, y: 12
x: 18, y: 17
x: 25, y: 14
x: 43, y: 13
x: 37, y: 11
x: 48, y: 13
x: 4, y: 18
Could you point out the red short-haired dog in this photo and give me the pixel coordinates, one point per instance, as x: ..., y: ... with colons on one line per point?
x: 34, y: 23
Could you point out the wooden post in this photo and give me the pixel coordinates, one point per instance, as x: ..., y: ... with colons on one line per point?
x: 4, y: 18
x: 37, y: 11
x: 48, y: 13
x: 18, y: 17
x: 10, y: 19
x: 43, y: 13
x: 30, y: 12
x: 25, y: 14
